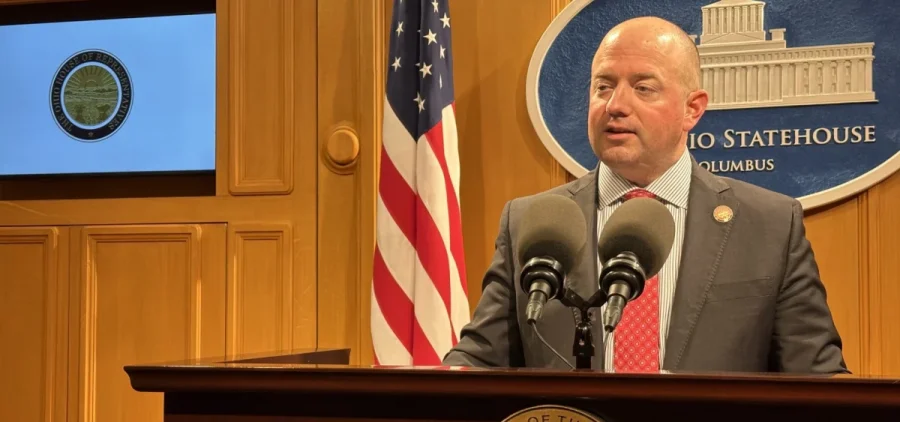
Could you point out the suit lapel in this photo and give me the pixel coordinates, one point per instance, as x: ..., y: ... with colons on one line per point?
x: 705, y: 240
x: 583, y: 279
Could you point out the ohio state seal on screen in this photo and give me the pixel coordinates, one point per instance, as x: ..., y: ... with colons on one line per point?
x: 91, y: 95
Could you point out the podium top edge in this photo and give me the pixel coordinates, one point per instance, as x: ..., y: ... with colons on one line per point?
x: 341, y: 379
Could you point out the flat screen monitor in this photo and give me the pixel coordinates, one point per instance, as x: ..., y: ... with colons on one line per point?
x: 117, y: 95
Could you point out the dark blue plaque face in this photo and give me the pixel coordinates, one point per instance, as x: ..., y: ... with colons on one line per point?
x: 803, y: 94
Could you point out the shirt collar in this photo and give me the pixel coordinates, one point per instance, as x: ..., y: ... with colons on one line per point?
x: 673, y: 186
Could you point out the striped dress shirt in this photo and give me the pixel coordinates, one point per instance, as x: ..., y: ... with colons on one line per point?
x: 672, y: 189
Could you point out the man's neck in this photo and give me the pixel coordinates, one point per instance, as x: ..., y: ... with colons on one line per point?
x: 638, y: 176
x: 643, y: 175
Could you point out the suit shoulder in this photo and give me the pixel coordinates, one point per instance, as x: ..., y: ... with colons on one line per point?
x: 759, y: 198
x: 568, y: 189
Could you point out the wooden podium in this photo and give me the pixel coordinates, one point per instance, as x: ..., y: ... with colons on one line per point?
x: 319, y: 385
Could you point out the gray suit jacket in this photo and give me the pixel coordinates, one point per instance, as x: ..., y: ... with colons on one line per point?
x: 748, y: 296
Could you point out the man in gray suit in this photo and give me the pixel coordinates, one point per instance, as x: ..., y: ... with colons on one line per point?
x: 740, y: 290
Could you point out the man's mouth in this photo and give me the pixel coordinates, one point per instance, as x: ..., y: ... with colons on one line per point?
x: 618, y: 130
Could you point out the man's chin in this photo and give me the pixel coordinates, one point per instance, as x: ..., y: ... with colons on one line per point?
x: 618, y: 156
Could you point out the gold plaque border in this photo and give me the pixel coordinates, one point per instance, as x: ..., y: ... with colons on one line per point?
x: 522, y: 415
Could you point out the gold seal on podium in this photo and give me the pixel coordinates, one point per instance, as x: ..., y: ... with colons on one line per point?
x: 552, y: 413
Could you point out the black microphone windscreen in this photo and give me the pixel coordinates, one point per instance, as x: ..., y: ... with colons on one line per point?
x: 552, y: 226
x: 642, y: 226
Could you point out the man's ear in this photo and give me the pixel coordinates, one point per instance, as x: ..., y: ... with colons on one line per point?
x: 696, y: 103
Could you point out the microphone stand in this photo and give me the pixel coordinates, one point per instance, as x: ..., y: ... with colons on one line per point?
x: 583, y: 346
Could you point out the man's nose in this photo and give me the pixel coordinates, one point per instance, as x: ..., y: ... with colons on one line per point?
x: 619, y: 103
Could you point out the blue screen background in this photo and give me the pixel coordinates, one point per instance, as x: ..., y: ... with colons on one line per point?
x: 171, y: 61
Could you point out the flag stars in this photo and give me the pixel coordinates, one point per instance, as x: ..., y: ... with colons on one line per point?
x: 435, y: 4
x: 442, y: 51
x: 399, y: 27
x: 426, y: 70
x: 421, y: 101
x: 396, y: 64
x: 441, y: 81
x: 431, y: 37
x: 445, y: 20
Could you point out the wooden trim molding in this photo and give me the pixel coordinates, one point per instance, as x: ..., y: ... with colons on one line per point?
x: 558, y: 174
x: 866, y: 363
x: 558, y: 5
x: 351, y: 78
x: 54, y: 268
x: 373, y: 40
x: 870, y: 294
x: 224, y: 110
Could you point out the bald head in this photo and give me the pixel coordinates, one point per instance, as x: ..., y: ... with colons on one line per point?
x: 645, y: 97
x: 659, y: 33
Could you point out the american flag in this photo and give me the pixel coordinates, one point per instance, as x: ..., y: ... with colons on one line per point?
x: 419, y: 293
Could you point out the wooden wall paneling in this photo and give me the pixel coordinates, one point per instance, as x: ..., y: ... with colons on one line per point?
x: 558, y: 174
x: 33, y: 329
x: 338, y: 201
x: 883, y: 293
x: 224, y: 43
x: 500, y: 154
x: 145, y: 210
x: 260, y: 288
x: 262, y: 93
x: 350, y: 89
x: 267, y: 133
x: 868, y: 324
x: 833, y: 233
x: 213, y: 289
x: 304, y: 197
x: 373, y: 39
x: 136, y: 297
x: 557, y: 6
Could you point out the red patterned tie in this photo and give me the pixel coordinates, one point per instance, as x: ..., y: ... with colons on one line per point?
x: 637, y: 335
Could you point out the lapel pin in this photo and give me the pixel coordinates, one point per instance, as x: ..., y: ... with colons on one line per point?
x: 723, y: 213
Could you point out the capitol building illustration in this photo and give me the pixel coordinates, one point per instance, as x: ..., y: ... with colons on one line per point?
x: 742, y: 69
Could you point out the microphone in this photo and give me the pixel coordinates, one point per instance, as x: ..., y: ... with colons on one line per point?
x: 633, y: 246
x: 549, y: 241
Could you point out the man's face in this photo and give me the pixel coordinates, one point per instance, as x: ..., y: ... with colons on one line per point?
x: 637, y: 116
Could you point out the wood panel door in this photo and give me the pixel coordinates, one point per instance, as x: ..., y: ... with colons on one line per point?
x: 140, y: 294
x: 33, y: 290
